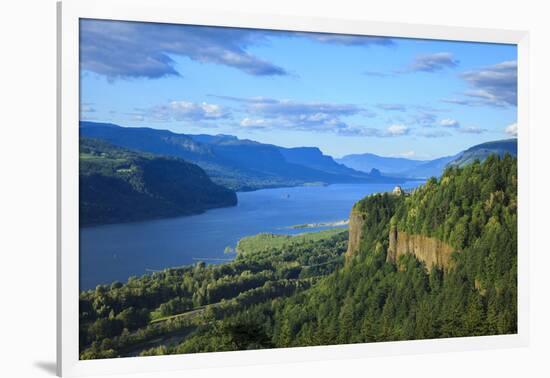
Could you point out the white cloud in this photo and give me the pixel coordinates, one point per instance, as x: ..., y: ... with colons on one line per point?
x: 449, y: 122
x: 433, y: 133
x: 262, y: 112
x: 512, y: 129
x: 137, y: 117
x: 120, y: 49
x: 432, y: 62
x: 86, y: 107
x: 472, y: 130
x: 184, y: 111
x: 495, y: 85
x: 397, y: 130
x: 407, y: 154
x: 422, y: 118
x: 255, y: 123
x: 347, y: 40
x: 87, y: 111
x: 270, y: 113
x: 392, y: 107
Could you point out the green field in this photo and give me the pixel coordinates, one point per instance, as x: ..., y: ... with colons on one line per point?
x: 265, y: 241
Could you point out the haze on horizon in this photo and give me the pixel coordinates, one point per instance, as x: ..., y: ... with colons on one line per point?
x: 344, y: 94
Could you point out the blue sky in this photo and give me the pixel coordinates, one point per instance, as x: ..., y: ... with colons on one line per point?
x: 344, y: 94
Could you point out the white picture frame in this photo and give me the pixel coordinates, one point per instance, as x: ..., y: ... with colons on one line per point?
x: 165, y: 11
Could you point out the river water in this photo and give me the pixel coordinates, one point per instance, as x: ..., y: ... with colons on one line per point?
x: 115, y: 252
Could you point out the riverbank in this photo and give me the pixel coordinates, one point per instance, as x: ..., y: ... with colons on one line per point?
x: 116, y: 252
x: 157, y: 312
x: 340, y: 223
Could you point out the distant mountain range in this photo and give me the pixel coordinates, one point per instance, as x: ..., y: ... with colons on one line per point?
x: 118, y: 185
x: 394, y: 166
x: 129, y: 174
x: 236, y: 163
x: 242, y: 164
x: 401, y: 167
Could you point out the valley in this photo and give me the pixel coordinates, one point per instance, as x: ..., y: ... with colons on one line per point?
x: 283, y: 291
x: 258, y: 189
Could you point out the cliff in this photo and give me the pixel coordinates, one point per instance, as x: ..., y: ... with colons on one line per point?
x: 355, y: 228
x: 429, y: 250
x: 369, y: 219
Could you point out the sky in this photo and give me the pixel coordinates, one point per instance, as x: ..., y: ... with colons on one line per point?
x: 413, y: 98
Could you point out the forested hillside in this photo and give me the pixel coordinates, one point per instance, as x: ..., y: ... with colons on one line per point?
x: 475, y: 210
x: 118, y: 185
x: 193, y: 305
x: 300, y: 294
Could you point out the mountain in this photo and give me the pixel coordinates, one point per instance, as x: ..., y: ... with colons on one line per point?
x: 444, y: 258
x: 394, y: 166
x: 309, y: 157
x: 119, y: 185
x: 313, y: 158
x: 389, y: 165
x: 306, y: 162
x: 160, y: 142
x: 431, y: 168
x: 482, y: 151
x: 235, y: 163
x: 402, y: 167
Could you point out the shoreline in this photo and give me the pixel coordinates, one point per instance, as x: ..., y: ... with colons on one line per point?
x: 340, y: 223
x: 190, y: 214
x: 90, y: 279
x: 231, y: 256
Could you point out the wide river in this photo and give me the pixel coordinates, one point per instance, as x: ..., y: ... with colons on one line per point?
x: 117, y: 251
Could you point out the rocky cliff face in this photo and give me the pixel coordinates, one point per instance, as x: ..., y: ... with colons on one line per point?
x: 356, y: 223
x: 429, y: 250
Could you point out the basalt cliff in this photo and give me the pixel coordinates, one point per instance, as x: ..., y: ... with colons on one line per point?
x: 465, y: 225
x: 429, y: 250
x: 356, y: 225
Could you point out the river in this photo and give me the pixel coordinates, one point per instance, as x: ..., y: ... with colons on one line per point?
x: 115, y: 252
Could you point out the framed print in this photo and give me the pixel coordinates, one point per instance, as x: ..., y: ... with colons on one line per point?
x: 239, y: 188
